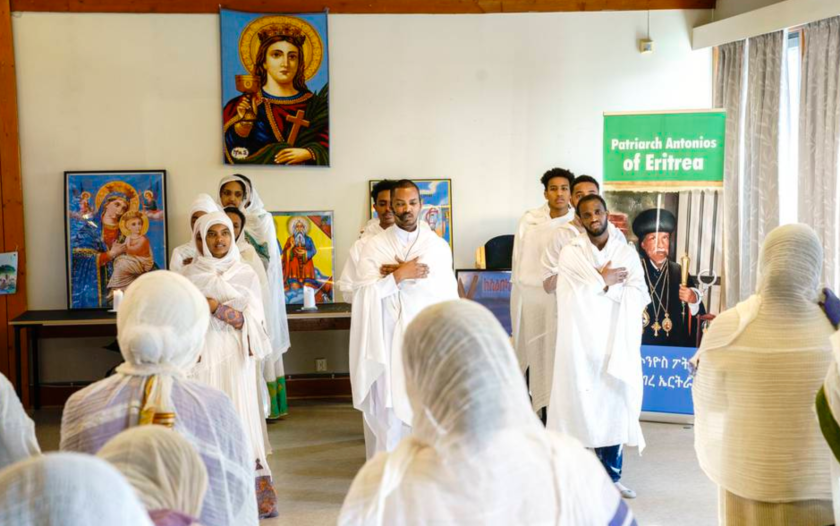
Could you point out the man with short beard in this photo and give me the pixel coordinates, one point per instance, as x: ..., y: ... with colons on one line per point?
x: 596, y: 394
x: 582, y: 186
x: 401, y: 271
x: 381, y: 197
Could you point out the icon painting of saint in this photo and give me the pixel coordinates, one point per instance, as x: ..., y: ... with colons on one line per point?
x: 275, y: 89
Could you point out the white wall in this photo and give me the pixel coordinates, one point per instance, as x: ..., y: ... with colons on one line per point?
x: 491, y: 101
x: 730, y: 8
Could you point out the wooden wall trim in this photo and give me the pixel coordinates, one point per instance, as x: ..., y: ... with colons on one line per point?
x: 354, y: 6
x: 11, y: 189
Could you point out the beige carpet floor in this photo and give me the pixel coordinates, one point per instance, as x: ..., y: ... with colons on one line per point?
x: 319, y: 447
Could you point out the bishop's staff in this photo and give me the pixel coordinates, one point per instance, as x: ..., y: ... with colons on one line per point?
x: 685, y: 261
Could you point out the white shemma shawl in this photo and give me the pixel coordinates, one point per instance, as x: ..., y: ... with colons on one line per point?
x: 259, y: 226
x: 160, y: 327
x: 67, y: 489
x: 229, y: 355
x: 162, y: 466
x: 759, y: 369
x: 17, y: 431
x: 478, y: 454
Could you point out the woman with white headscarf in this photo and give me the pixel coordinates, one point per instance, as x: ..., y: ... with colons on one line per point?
x: 236, y: 338
x: 260, y: 232
x: 758, y: 370
x: 184, y: 254
x: 161, y: 326
x: 164, y: 469
x: 478, y: 454
x: 67, y: 489
x: 17, y: 430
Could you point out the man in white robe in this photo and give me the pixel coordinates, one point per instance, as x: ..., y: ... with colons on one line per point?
x: 532, y: 310
x: 582, y: 186
x: 596, y: 396
x: 381, y: 196
x: 401, y: 271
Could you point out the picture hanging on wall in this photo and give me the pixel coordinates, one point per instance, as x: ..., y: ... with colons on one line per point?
x: 275, y: 88
x: 306, y: 246
x: 115, y: 231
x: 8, y: 272
x: 437, y: 206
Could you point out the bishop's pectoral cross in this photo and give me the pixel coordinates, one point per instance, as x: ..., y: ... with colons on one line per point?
x: 656, y: 328
x: 297, y: 121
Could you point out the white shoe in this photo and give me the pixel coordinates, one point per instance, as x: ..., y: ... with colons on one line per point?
x: 626, y: 492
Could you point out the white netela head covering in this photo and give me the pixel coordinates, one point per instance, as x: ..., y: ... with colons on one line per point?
x: 203, y: 203
x: 205, y: 260
x: 161, y: 325
x: 247, y: 199
x: 760, y: 366
x: 17, y: 431
x: 477, y: 451
x: 68, y: 489
x: 789, y: 270
x: 162, y: 466
x: 462, y: 377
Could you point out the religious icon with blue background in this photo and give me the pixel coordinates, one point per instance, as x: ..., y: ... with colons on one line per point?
x: 306, y: 246
x: 115, y: 232
x: 437, y: 206
x: 275, y: 89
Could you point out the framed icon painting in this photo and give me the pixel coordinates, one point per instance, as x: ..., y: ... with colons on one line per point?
x: 275, y: 88
x: 115, y: 231
x: 306, y: 247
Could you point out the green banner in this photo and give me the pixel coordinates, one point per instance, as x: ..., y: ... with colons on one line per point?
x: 671, y: 151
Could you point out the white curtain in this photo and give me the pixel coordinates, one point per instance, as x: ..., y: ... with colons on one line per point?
x: 749, y: 88
x: 729, y: 88
x: 819, y: 139
x: 760, y: 189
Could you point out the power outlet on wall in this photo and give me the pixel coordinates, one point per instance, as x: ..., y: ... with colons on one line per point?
x: 321, y: 365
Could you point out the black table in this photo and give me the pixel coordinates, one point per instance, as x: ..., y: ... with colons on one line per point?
x: 87, y: 323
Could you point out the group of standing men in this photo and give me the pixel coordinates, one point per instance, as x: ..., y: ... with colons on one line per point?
x: 578, y: 297
x: 579, y: 293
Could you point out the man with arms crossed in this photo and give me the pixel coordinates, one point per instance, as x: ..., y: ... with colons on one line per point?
x: 596, y: 394
x: 401, y: 271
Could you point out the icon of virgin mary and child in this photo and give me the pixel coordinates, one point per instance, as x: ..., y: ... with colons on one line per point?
x: 278, y: 119
x: 109, y: 249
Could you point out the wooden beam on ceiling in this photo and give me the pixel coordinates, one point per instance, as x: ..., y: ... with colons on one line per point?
x: 354, y: 6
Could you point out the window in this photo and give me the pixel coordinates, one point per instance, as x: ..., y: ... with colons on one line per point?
x: 789, y: 130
